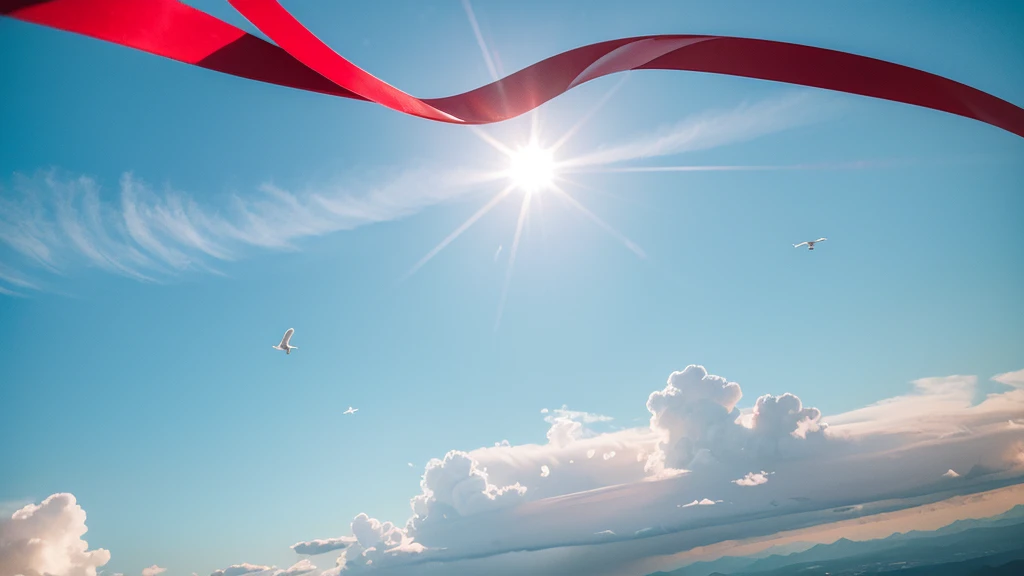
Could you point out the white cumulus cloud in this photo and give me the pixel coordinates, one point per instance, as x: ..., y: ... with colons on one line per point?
x: 701, y: 502
x: 46, y: 540
x: 457, y: 486
x: 752, y: 479
x: 564, y: 431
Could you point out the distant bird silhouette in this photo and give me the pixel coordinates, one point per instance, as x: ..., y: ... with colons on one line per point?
x: 351, y: 410
x: 810, y: 243
x: 285, y: 345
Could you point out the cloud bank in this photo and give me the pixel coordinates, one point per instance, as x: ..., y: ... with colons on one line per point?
x: 701, y: 473
x: 704, y: 474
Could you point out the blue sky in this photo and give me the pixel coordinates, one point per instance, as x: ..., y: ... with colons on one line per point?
x: 193, y: 445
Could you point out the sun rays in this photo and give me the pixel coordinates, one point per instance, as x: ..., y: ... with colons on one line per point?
x: 535, y: 168
x: 532, y: 169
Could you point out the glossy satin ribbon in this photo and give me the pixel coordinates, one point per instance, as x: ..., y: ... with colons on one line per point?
x: 300, y: 60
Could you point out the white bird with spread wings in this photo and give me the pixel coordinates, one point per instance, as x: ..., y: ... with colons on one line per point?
x: 286, y: 342
x: 351, y: 410
x: 810, y: 243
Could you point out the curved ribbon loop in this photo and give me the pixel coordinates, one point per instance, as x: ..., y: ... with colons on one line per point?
x: 300, y: 60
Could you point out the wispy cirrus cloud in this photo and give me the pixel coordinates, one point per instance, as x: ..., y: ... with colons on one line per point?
x: 717, y: 128
x: 565, y: 412
x: 12, y: 278
x: 52, y: 223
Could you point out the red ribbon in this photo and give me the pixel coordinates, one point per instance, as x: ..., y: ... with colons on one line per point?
x: 300, y: 60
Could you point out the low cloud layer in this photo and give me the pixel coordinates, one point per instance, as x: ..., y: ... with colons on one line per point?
x: 858, y: 527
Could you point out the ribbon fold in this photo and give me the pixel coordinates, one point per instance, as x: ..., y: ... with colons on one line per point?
x: 300, y: 60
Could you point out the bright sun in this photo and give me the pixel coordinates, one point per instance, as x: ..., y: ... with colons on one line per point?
x: 532, y: 168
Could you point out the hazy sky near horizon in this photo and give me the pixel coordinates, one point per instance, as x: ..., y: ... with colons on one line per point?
x: 161, y: 226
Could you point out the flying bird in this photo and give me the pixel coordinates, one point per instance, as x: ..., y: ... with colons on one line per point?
x: 285, y: 342
x: 351, y: 410
x: 810, y: 243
